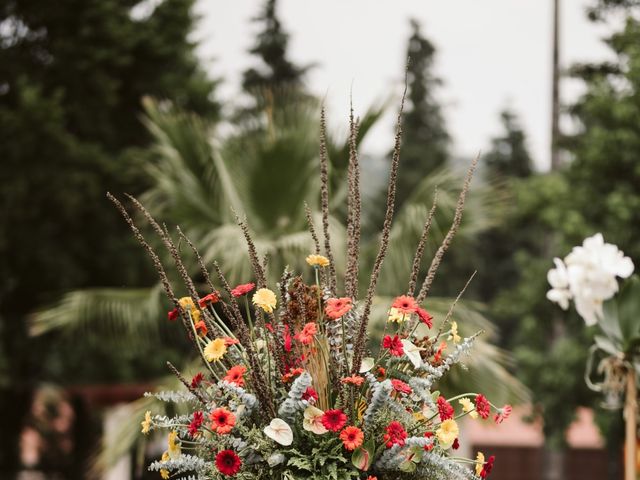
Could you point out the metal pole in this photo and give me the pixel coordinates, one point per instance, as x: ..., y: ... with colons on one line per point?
x: 555, y: 87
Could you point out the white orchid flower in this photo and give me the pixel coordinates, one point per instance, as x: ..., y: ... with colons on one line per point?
x: 588, y: 276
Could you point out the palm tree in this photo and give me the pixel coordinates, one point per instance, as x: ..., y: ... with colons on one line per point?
x: 267, y: 172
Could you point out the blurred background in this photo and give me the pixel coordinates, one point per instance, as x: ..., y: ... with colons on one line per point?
x: 196, y: 107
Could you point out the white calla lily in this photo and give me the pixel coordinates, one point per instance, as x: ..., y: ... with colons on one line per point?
x: 312, y: 421
x: 279, y: 431
x: 412, y: 352
x: 367, y: 364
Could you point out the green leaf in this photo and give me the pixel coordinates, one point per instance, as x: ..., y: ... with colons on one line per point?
x: 606, y: 344
x: 629, y: 310
x: 610, y: 323
x: 408, y: 466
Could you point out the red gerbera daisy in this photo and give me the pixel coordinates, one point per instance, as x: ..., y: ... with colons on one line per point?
x: 400, y: 386
x: 488, y: 466
x: 228, y: 462
x: 405, y: 304
x: 208, y: 299
x: 425, y: 317
x: 482, y: 406
x: 173, y: 314
x: 503, y: 414
x: 352, y: 437
x: 395, y: 435
x: 394, y: 345
x: 445, y: 409
x: 197, y: 380
x: 235, y: 375
x: 222, y: 420
x: 337, y: 307
x: 305, y: 336
x: 310, y: 394
x: 242, y: 289
x: 334, y: 420
x: 228, y: 341
x: 196, y: 423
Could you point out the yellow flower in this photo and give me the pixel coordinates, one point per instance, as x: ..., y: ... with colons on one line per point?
x: 479, y: 462
x: 187, y: 304
x: 164, y: 473
x: 174, y: 450
x: 468, y: 407
x: 454, y: 333
x: 265, y: 299
x: 317, y: 261
x: 146, y: 423
x: 215, y: 349
x: 447, y: 433
x: 395, y: 315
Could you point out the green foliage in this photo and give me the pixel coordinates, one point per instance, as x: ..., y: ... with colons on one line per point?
x: 324, y: 461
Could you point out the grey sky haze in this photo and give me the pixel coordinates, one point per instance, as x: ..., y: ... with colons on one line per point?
x: 491, y: 53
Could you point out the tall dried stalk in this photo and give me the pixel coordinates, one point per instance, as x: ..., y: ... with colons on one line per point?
x: 417, y: 259
x: 361, y: 336
x: 235, y: 317
x: 324, y: 201
x: 353, y: 210
x: 455, y: 225
x: 253, y: 254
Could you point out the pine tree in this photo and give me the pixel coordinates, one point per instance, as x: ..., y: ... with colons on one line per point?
x: 508, y: 156
x: 425, y: 140
x: 72, y: 77
x: 277, y: 75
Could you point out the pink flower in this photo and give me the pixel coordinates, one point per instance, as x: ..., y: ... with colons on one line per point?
x: 503, y: 414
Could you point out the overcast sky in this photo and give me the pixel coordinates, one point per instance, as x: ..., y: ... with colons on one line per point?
x: 491, y: 53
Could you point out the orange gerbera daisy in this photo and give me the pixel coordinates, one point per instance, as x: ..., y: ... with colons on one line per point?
x: 222, y: 420
x: 305, y: 336
x: 201, y: 328
x: 352, y: 437
x: 235, y: 375
x: 337, y: 307
x: 405, y: 304
x: 356, y: 380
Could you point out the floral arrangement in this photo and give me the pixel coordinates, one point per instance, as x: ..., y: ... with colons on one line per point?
x: 293, y: 385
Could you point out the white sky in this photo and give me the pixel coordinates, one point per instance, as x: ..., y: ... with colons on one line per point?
x: 491, y: 53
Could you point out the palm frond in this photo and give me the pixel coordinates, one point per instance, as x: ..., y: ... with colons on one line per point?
x: 120, y: 313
